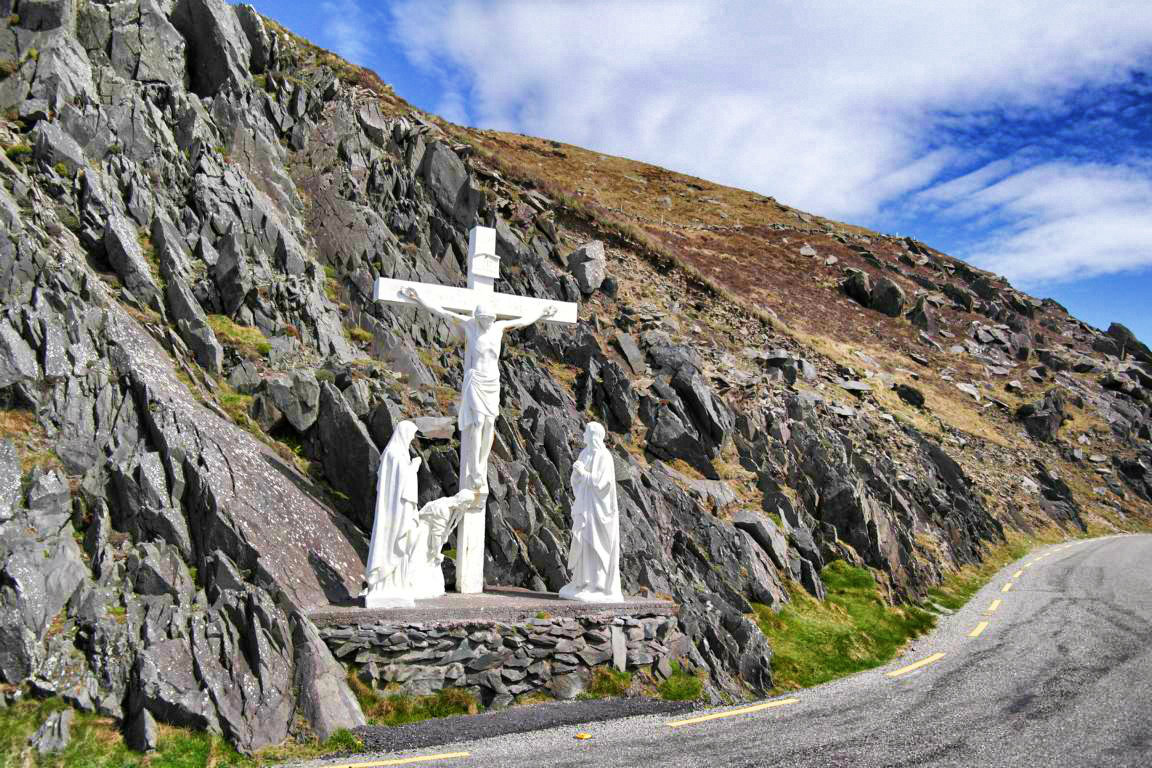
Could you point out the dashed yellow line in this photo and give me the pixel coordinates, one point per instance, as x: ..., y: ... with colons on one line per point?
x: 1007, y: 587
x: 916, y: 665
x: 1018, y: 574
x: 978, y: 629
x: 994, y: 605
x: 404, y: 760
x: 733, y: 712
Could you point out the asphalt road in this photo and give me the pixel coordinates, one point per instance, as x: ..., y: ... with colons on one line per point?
x: 1061, y: 675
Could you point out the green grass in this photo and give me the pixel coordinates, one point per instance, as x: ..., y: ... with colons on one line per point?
x: 97, y: 743
x: 246, y: 340
x: 959, y: 587
x: 383, y: 708
x: 236, y: 406
x: 607, y: 683
x: 359, y: 335
x: 19, y: 153
x: 853, y: 629
x: 681, y: 685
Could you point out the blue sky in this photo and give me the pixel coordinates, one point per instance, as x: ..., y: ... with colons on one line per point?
x: 1012, y: 133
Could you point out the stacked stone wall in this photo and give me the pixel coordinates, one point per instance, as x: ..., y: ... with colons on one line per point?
x: 501, y: 662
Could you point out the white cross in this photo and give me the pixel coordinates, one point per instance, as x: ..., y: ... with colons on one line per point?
x: 483, y: 269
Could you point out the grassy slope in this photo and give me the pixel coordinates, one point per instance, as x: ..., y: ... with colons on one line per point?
x: 857, y: 628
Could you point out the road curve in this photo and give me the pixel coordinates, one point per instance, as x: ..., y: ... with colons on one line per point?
x: 1059, y: 674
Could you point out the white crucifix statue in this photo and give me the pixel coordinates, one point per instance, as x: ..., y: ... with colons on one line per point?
x: 483, y: 315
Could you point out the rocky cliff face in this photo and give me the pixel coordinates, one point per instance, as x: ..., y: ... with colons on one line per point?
x: 196, y: 385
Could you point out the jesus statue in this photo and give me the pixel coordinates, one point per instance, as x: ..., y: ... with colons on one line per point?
x: 480, y: 393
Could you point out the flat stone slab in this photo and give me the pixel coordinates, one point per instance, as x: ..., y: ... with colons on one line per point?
x: 504, y: 605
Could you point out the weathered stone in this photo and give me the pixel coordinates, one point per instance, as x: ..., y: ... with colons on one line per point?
x: 588, y: 264
x: 53, y: 146
x: 349, y: 456
x: 55, y: 734
x: 887, y: 297
x: 450, y: 184
x: 218, y: 49
x: 122, y: 246
x: 858, y: 287
x: 325, y: 699
x: 297, y: 396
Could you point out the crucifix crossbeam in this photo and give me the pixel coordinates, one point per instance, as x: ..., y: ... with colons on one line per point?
x: 483, y: 270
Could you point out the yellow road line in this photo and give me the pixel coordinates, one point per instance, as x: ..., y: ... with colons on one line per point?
x: 1007, y: 587
x: 916, y: 665
x: 403, y: 760
x: 993, y: 605
x: 733, y: 712
x: 1018, y: 574
x: 978, y: 629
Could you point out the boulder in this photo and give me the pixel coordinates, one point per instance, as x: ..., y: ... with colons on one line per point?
x: 450, y: 184
x: 218, y: 48
x: 349, y: 457
x: 44, y: 15
x: 588, y: 264
x: 765, y: 533
x: 17, y: 359
x: 297, y: 396
x: 1128, y: 343
x: 145, y: 46
x: 122, y: 247
x: 887, y: 297
x: 52, y: 146
x: 858, y: 287
x: 192, y: 325
x: 55, y: 734
x: 909, y: 394
x: 924, y: 317
x: 325, y: 699
x: 258, y: 38
x: 1044, y: 418
x: 10, y: 475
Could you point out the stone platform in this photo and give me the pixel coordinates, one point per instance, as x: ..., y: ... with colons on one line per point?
x: 504, y: 605
x: 504, y: 643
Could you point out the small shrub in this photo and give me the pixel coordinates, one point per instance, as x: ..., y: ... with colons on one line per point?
x: 359, y: 335
x: 382, y: 708
x: 343, y: 740
x: 608, y: 682
x: 62, y: 169
x: 70, y: 221
x: 681, y: 685
x: 248, y: 341
x: 236, y: 405
x: 8, y: 67
x: 19, y: 153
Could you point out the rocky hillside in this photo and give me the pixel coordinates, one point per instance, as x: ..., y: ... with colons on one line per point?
x: 196, y: 385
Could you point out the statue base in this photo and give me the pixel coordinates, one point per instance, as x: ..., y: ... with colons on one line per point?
x: 505, y: 643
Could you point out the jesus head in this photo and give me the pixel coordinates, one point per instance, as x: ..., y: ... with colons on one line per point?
x: 484, y: 316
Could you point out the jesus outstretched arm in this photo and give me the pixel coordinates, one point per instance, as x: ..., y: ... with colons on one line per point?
x: 527, y: 320
x: 447, y: 314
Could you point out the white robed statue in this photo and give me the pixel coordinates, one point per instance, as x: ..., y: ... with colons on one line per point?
x: 395, y: 525
x: 437, y: 520
x: 594, y: 556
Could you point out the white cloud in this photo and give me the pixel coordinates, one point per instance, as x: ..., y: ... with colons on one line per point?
x: 1064, y: 222
x: 824, y: 104
x: 347, y: 29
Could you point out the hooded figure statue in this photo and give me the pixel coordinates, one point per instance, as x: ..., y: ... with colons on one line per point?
x: 390, y: 551
x: 594, y: 556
